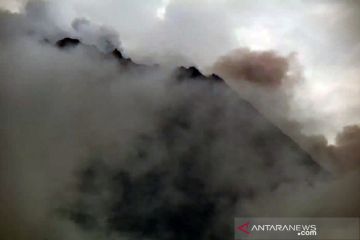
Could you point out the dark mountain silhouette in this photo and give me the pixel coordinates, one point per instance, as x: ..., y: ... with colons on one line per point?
x: 183, y: 73
x: 126, y: 62
x: 216, y: 152
x: 67, y: 42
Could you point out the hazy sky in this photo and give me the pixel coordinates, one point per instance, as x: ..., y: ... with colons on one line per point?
x: 323, y: 34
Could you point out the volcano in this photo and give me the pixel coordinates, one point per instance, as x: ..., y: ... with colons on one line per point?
x: 187, y: 179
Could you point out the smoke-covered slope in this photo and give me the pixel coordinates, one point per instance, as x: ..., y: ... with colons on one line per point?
x: 206, y: 154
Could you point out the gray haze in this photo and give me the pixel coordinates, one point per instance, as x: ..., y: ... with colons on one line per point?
x: 72, y: 113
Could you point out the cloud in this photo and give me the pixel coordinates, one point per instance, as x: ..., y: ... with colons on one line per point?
x: 12, y: 5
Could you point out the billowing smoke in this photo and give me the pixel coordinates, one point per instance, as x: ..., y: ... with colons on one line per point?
x: 105, y: 39
x: 343, y: 155
x: 277, y: 103
x: 92, y: 148
x: 264, y: 68
x: 267, y: 80
x: 347, y: 147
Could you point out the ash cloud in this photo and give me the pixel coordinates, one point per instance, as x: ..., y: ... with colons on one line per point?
x: 268, y: 81
x: 253, y: 72
x: 342, y: 156
x: 347, y: 146
x: 265, y: 68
